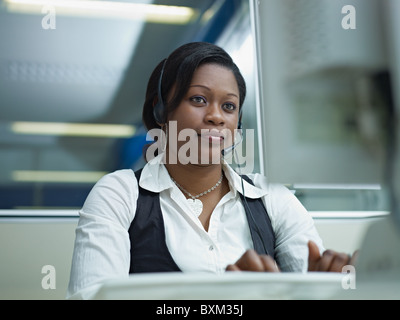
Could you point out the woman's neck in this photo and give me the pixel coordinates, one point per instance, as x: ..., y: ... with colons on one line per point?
x: 195, y: 178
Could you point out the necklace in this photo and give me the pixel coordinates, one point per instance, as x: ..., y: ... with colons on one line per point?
x: 194, y: 203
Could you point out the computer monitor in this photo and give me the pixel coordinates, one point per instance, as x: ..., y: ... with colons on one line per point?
x: 329, y: 98
x: 320, y: 67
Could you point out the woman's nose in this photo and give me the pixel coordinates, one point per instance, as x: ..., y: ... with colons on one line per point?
x: 214, y: 115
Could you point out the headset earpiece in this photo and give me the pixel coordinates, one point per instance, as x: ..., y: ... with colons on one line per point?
x: 158, y: 112
x: 159, y: 108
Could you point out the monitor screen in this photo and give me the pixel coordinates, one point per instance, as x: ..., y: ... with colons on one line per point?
x: 323, y: 73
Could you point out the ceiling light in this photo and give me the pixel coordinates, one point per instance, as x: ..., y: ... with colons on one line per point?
x: 107, y: 9
x: 74, y: 129
x: 57, y: 176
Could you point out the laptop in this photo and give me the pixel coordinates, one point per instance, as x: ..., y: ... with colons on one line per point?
x: 228, y: 286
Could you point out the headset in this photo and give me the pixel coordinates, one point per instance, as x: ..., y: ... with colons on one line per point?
x: 159, y: 108
x: 225, y: 151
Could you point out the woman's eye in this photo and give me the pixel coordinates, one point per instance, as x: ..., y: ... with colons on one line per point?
x: 198, y: 99
x: 230, y: 106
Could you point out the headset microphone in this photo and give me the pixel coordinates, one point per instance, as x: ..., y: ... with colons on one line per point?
x: 239, y: 129
x: 225, y: 151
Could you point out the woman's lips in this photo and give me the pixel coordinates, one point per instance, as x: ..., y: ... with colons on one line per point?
x: 213, y: 136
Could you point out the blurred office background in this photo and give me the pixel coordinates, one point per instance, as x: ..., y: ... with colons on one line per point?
x: 71, y: 97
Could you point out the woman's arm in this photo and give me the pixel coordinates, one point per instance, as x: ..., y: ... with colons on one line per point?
x: 102, y: 245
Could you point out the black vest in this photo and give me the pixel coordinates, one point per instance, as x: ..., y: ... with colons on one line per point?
x: 149, y: 252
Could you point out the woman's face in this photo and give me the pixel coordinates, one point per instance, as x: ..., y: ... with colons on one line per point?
x: 209, y: 112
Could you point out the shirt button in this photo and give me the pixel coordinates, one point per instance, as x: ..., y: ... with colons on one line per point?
x: 211, y: 248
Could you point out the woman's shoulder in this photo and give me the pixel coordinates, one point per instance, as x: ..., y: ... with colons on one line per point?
x: 283, y: 206
x: 121, y: 183
x: 121, y: 176
x: 113, y: 197
x: 261, y: 181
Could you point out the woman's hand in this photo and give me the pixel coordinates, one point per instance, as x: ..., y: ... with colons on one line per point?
x: 330, y: 261
x: 252, y: 261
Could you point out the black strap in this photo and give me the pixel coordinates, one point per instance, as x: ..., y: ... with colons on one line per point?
x: 149, y: 251
x: 260, y: 225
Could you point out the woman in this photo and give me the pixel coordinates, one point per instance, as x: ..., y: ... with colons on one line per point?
x: 193, y: 216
